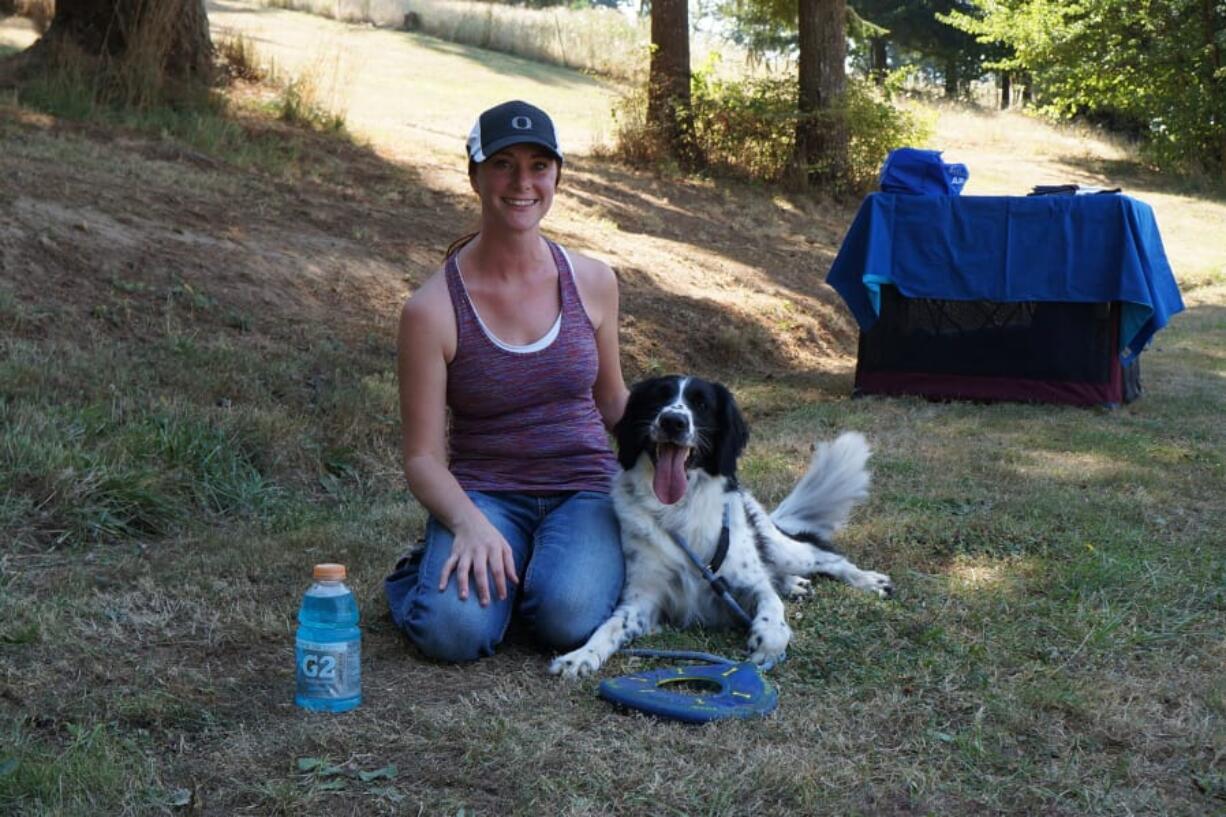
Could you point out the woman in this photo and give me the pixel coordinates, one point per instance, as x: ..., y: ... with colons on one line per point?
x: 516, y: 339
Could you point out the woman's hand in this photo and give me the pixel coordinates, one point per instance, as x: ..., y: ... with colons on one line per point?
x: 481, y: 550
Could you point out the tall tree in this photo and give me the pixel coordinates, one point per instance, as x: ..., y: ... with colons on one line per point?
x: 821, y: 130
x: 172, y: 36
x: 669, y: 104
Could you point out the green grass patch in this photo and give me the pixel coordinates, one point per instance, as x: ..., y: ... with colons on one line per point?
x: 89, y: 769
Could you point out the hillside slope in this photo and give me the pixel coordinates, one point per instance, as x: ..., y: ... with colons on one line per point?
x: 351, y: 240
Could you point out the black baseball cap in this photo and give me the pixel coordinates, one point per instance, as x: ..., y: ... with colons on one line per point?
x: 512, y: 123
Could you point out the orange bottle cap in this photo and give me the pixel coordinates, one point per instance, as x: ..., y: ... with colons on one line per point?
x: 329, y: 573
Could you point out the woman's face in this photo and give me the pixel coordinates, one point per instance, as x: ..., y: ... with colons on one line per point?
x: 516, y: 186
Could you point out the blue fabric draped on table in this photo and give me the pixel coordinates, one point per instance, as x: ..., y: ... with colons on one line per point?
x: 1081, y: 249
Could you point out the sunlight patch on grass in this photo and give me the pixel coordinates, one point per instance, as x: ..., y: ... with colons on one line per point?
x: 17, y: 33
x: 981, y: 574
x: 1071, y: 465
x: 978, y: 128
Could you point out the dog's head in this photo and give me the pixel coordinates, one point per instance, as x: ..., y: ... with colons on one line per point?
x: 682, y: 423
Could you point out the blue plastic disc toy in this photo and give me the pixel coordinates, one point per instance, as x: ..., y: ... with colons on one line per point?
x: 697, y: 693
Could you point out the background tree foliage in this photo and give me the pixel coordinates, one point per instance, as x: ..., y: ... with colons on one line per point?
x: 915, y: 30
x: 1153, y: 68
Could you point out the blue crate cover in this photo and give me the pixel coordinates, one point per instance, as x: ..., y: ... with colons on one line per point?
x: 921, y: 172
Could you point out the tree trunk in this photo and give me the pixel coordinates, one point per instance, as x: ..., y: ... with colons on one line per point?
x: 880, y: 60
x: 172, y: 34
x: 951, y: 77
x: 821, y: 132
x: 1208, y: 19
x: 1006, y: 90
x: 669, y: 109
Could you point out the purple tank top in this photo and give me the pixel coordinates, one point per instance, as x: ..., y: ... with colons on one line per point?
x: 526, y: 421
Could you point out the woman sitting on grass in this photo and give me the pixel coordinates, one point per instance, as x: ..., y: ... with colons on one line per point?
x: 517, y: 338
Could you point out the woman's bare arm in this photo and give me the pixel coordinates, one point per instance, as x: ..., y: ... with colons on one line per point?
x: 425, y: 344
x: 598, y: 289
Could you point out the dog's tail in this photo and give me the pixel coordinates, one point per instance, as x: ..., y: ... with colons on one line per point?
x: 837, y: 480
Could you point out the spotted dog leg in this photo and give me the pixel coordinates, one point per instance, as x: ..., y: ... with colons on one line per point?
x: 769, y: 634
x: 633, y: 618
x: 839, y: 567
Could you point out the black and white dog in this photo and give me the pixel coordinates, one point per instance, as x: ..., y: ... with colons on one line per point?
x: 678, y: 445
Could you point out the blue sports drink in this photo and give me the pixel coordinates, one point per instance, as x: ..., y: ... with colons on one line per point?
x: 328, y: 648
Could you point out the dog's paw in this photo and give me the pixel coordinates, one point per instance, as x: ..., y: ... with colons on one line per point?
x: 578, y: 664
x: 874, y: 582
x: 796, y: 588
x: 768, y: 640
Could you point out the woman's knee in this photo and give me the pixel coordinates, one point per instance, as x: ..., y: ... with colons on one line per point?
x: 464, y: 631
x: 564, y: 621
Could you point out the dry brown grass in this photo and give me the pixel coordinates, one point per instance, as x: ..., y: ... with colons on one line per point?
x: 239, y: 58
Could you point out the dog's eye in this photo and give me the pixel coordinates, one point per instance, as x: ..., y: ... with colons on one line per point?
x: 698, y: 402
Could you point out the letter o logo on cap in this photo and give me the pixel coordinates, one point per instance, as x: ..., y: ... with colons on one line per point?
x: 521, y: 123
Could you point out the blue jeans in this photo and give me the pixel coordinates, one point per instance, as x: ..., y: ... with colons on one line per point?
x: 568, y: 556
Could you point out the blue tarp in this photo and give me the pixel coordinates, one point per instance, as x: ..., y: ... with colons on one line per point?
x: 1081, y: 249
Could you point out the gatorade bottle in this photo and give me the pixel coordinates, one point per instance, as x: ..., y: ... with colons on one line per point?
x: 328, y: 650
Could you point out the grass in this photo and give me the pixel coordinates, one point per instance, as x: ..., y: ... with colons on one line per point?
x: 597, y: 40
x: 1056, y: 646
x: 373, y: 74
x: 209, y: 122
x: 90, y: 764
x: 197, y: 404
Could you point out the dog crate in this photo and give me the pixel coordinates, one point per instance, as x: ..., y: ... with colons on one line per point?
x: 1047, y: 351
x: 1039, y: 299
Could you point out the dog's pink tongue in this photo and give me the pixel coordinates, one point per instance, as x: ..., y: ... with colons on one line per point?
x: 669, y: 483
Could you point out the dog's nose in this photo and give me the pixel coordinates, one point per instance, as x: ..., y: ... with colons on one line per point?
x: 674, y: 423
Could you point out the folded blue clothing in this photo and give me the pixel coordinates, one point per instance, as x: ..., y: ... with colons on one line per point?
x: 921, y: 172
x: 1079, y: 249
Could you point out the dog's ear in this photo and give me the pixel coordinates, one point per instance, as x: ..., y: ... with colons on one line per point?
x: 732, y: 434
x: 631, y: 429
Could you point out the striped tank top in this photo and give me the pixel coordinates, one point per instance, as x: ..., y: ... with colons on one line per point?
x: 524, y: 418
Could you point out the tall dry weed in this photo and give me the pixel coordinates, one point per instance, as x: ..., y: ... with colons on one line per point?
x: 315, y: 97
x: 599, y: 40
x: 138, y: 64
x: 138, y: 75
x: 240, y: 59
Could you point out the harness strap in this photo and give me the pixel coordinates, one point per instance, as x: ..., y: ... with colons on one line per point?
x: 721, y: 548
x: 719, y: 585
